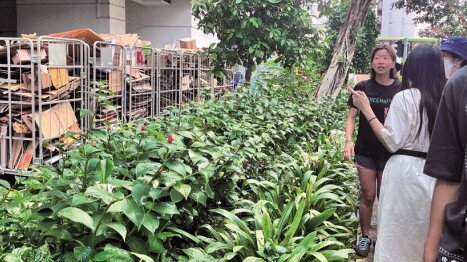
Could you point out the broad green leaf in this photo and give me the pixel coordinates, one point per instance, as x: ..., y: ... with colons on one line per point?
x: 186, y: 234
x: 302, y: 248
x: 137, y: 244
x: 82, y: 253
x: 166, y: 208
x: 79, y: 199
x: 112, y: 253
x: 145, y: 168
x: 176, y: 196
x: 253, y: 259
x: 155, y: 244
x: 92, y: 165
x: 140, y: 191
x: 196, y: 157
x: 150, y: 222
x: 183, y: 189
x: 104, y: 170
x: 177, y: 167
x: 319, y: 219
x: 216, y: 246
x: 199, y: 197
x: 77, y: 215
x: 143, y: 257
x: 117, y: 207
x: 170, y: 178
x: 186, y: 134
x: 296, y: 222
x: 266, y: 224
x: 59, y: 233
x: 133, y: 211
x: 121, y: 229
x: 99, y: 193
x: 4, y: 183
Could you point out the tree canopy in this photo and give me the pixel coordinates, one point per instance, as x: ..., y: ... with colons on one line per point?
x: 445, y: 17
x: 251, y: 31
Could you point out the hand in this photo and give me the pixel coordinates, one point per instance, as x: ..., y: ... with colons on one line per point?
x: 348, y: 151
x: 360, y: 100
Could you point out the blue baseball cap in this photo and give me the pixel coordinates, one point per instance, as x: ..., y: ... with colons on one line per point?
x: 456, y: 45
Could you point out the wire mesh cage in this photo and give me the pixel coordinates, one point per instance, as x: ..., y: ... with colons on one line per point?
x: 205, y: 77
x: 107, y: 94
x: 140, y: 83
x: 169, y: 72
x: 189, y: 82
x: 223, y: 84
x: 42, y: 87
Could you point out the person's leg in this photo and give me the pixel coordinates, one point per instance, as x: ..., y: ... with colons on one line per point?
x: 368, y: 179
x: 379, y: 177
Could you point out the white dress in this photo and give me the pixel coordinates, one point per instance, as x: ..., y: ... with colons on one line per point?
x: 406, y: 193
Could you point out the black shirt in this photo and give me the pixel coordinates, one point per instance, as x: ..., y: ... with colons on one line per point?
x: 447, y: 151
x: 380, y: 97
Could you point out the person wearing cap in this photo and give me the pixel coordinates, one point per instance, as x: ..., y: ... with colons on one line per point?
x: 454, y: 53
x: 447, y: 161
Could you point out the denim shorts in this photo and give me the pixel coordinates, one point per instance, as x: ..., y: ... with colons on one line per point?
x: 370, y: 163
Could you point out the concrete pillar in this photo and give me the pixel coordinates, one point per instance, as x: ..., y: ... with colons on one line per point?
x: 51, y: 16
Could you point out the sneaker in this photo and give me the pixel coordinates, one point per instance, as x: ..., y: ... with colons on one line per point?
x: 363, y: 246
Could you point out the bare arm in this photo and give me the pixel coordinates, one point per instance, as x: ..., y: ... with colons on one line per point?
x: 349, y: 129
x: 361, y: 101
x: 445, y: 192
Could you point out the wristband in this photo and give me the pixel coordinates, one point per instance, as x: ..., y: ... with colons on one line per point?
x: 371, y: 119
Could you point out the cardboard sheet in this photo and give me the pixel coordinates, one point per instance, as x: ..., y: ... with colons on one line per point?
x: 56, y: 121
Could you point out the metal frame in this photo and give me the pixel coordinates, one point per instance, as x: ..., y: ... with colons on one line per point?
x: 110, y: 80
x: 174, y: 77
x: 169, y: 88
x: 205, y: 77
x: 32, y: 135
x: 140, y: 84
x: 189, y: 77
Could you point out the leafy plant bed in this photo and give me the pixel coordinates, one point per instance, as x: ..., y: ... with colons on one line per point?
x: 255, y: 176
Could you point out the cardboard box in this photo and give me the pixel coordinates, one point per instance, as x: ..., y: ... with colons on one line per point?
x: 59, y: 77
x: 85, y: 34
x: 45, y: 81
x: 56, y: 121
x: 115, y: 82
x: 188, y: 43
x: 24, y: 55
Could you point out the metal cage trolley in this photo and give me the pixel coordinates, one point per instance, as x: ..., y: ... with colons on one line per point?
x: 42, y: 85
x: 107, y: 94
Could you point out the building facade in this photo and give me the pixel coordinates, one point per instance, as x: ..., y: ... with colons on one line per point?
x: 162, y: 22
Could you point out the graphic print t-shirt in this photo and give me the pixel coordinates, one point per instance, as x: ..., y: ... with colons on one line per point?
x: 380, y: 97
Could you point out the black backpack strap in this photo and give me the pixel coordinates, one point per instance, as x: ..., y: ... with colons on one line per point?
x: 411, y: 153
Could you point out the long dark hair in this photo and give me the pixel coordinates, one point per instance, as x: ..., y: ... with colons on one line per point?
x: 424, y: 70
x: 392, y: 53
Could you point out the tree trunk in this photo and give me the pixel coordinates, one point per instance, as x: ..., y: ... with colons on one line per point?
x: 343, y: 50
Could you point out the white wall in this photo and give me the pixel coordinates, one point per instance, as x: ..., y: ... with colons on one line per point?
x: 8, y: 18
x: 161, y: 25
x: 164, y: 24
x: 202, y: 39
x: 395, y: 22
x: 49, y: 16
